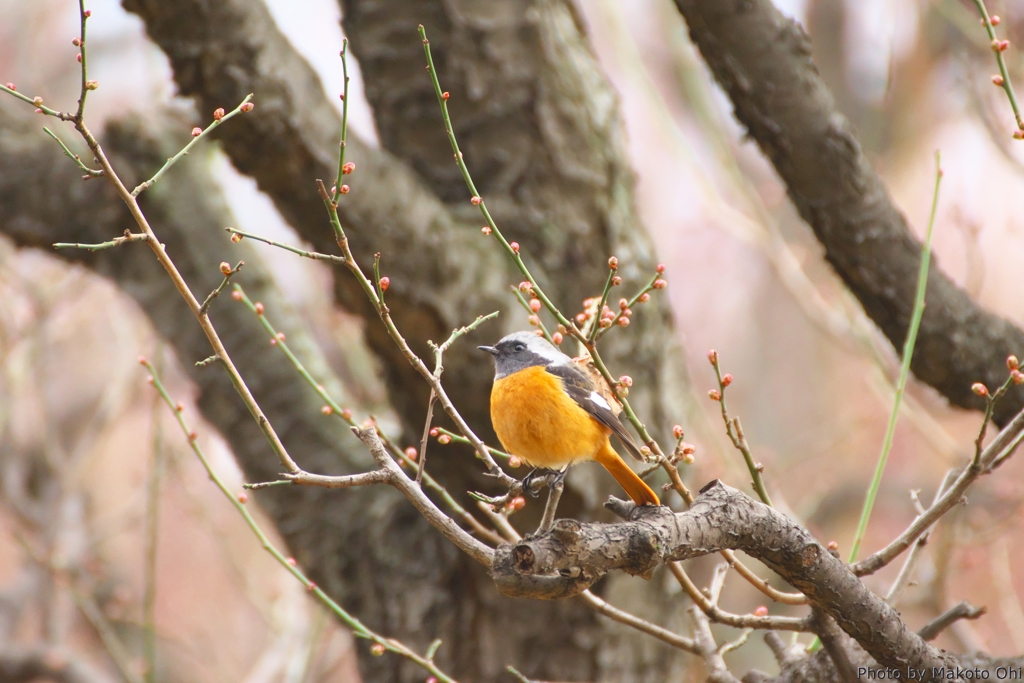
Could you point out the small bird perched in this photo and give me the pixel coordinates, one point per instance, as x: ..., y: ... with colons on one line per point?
x: 547, y: 411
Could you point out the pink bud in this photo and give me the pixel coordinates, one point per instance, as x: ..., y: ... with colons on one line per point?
x: 714, y: 395
x: 726, y: 379
x: 247, y: 107
x: 660, y: 268
x: 980, y: 389
x: 475, y: 201
x: 412, y: 453
x: 486, y: 230
x: 994, y: 20
x: 78, y: 57
x: 659, y: 284
x: 534, y: 320
x: 998, y: 80
x: 218, y: 114
x: 515, y: 462
x: 11, y: 86
x: 677, y: 431
x: 557, y: 338
x: 514, y: 246
x: 327, y: 410
x: 712, y: 356
x: 384, y: 283
x: 622, y: 321
x: 626, y: 381
x: 142, y: 360
x: 179, y: 406
x: 77, y: 42
x: 444, y: 439
x: 87, y: 13
x: 291, y: 561
x: 346, y: 414
x: 344, y: 189
x: 236, y: 238
x: 613, y: 263
x: 1012, y: 363
x: 517, y: 503
x: 644, y: 298
x: 1018, y: 135
x: 1017, y: 376
x: 535, y: 305
x: 225, y: 268
x: 833, y: 545
x: 761, y: 611
x: 196, y: 132
x: 259, y: 308
x: 348, y: 168
x: 243, y: 497
x: 444, y: 95
x: 616, y: 280
x: 524, y: 286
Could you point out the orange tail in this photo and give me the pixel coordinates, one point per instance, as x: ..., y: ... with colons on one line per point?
x: 635, y: 488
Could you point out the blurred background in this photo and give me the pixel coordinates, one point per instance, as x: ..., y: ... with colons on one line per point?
x: 814, y: 378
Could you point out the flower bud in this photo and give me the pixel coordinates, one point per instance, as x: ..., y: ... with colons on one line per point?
x: 197, y: 131
x: 87, y: 13
x: 644, y: 298
x: 997, y: 80
x: 243, y: 497
x: 77, y: 42
x: 980, y: 389
x: 38, y: 101
x: 291, y: 561
x: 179, y: 406
x: 677, y: 431
x: 486, y: 230
x: 1012, y: 363
x: 616, y: 280
x: 346, y: 414
x: 247, y: 107
x: 377, y: 650
x: 11, y: 86
x: 613, y: 263
x: 761, y: 611
x: 645, y: 451
x: 557, y: 338
x: 344, y: 189
x: 385, y: 282
x: 78, y: 57
x: 516, y: 504
x: 433, y: 431
x: 327, y: 410
x: 444, y: 439
x: 475, y: 201
x: 535, y: 305
x: 534, y: 320
x: 581, y: 318
x: 605, y: 322
x: 661, y: 268
x: 236, y: 295
x: 515, y: 462
x: 514, y: 246
x: 994, y: 20
x: 225, y: 268
x: 1018, y: 134
x: 445, y: 95
x: 412, y: 453
x: 259, y: 308
x: 622, y: 322
x: 143, y: 360
x: 659, y: 284
x: 833, y: 545
x: 1017, y: 376
x: 726, y: 379
x: 688, y: 449
x: 92, y: 85
x: 311, y: 586
x: 626, y: 381
x: 218, y: 113
x: 623, y: 304
x: 714, y: 395
x: 236, y: 238
x: 712, y: 356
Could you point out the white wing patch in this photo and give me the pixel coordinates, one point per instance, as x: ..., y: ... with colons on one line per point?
x: 598, y: 399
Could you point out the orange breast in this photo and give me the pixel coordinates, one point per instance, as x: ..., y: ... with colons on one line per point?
x: 535, y: 419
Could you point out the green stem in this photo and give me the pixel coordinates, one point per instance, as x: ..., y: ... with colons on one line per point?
x: 901, y: 383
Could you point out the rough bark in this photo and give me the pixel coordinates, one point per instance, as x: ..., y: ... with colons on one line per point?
x: 570, y: 217
x: 573, y: 555
x: 762, y: 60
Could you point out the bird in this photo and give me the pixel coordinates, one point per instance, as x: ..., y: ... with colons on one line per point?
x: 547, y: 411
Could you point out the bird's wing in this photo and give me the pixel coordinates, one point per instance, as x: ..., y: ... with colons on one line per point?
x: 582, y: 390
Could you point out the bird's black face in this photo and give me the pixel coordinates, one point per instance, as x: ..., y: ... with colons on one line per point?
x: 517, y: 352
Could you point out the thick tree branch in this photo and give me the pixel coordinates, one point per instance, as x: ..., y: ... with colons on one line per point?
x: 572, y: 556
x: 762, y: 60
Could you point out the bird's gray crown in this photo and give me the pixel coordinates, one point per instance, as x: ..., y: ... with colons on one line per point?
x: 521, y: 350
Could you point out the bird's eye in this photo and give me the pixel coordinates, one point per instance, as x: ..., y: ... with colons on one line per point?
x: 520, y: 347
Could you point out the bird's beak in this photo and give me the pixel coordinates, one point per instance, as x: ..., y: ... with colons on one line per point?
x: 489, y: 349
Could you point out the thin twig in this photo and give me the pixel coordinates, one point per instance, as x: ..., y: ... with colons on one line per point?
x: 228, y: 274
x: 116, y: 242
x: 156, y: 464
x: 962, y: 610
x: 90, y: 172
x: 1004, y: 74
x: 196, y: 138
x: 735, y: 432
x: 316, y: 256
